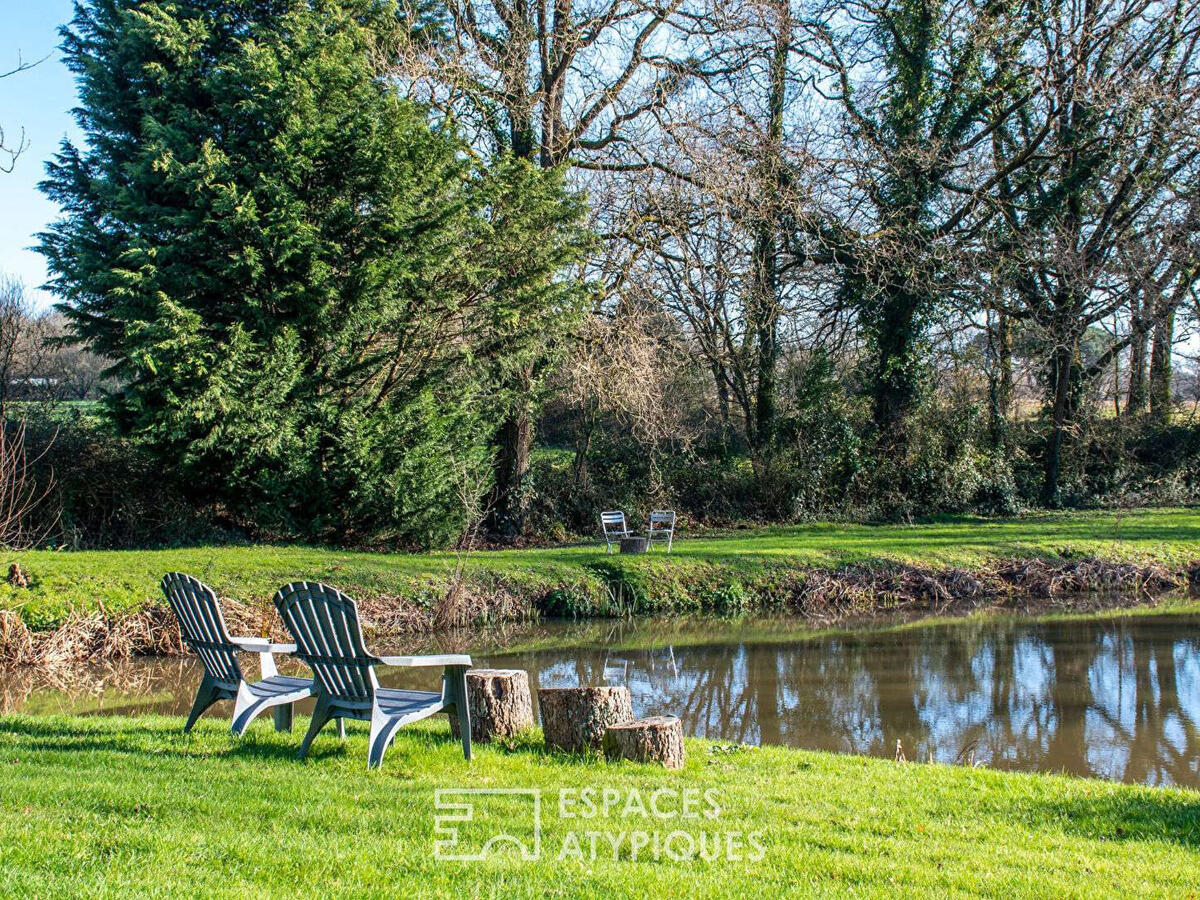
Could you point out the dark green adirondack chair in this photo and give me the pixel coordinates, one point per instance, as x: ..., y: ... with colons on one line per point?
x: 202, y: 626
x: 324, y: 623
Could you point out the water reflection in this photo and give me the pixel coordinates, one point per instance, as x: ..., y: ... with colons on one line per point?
x: 1115, y: 698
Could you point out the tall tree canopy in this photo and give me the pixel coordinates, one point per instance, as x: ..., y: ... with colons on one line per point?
x: 305, y: 290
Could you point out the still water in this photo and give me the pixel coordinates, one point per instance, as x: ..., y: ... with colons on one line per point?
x: 1112, y: 698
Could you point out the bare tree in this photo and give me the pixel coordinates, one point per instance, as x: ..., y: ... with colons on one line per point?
x: 624, y: 368
x: 718, y: 213
x: 572, y: 82
x: 849, y: 142
x: 10, y: 149
x: 15, y: 318
x: 22, y: 497
x: 37, y: 360
x: 1117, y: 121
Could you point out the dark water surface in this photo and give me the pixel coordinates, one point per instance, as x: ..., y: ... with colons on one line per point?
x: 1113, y: 698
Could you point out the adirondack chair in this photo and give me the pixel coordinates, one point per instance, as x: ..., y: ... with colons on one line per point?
x: 325, y: 624
x: 662, y: 522
x: 613, y: 524
x: 203, y: 629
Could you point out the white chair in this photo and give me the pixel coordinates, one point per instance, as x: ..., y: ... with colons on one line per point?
x: 324, y: 622
x: 615, y: 529
x: 662, y: 522
x: 202, y: 627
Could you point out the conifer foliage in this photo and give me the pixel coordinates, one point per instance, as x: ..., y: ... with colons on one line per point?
x: 305, y: 290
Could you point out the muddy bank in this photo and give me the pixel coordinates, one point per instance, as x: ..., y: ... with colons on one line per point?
x: 1029, y: 586
x: 820, y: 597
x: 154, y: 631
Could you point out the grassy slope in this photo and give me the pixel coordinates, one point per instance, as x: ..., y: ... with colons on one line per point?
x: 126, y: 579
x: 133, y: 807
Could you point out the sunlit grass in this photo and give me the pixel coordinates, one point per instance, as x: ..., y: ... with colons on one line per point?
x: 132, y: 807
x: 117, y: 580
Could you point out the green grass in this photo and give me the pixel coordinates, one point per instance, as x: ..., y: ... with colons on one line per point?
x: 132, y: 807
x: 709, y: 571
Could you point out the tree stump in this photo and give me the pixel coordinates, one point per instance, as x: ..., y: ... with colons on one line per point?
x: 16, y: 576
x: 634, y: 545
x: 574, y: 719
x: 656, y: 739
x: 499, y: 702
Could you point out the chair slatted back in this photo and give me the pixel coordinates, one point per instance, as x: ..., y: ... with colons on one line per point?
x: 662, y: 520
x: 202, y: 625
x: 613, y: 521
x: 324, y: 623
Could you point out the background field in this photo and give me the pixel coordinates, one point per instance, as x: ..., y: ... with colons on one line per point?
x: 576, y: 576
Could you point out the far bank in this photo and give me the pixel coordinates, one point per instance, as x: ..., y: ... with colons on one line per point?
x: 103, y: 604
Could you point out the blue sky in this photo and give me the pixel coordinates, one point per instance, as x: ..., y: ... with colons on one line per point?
x: 38, y: 100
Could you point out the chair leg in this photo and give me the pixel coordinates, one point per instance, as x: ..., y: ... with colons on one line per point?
x: 382, y: 731
x: 456, y: 687
x: 283, y: 716
x: 320, y: 717
x: 206, y: 696
x: 341, y: 725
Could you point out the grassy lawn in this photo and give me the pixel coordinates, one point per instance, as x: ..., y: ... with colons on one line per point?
x: 133, y: 807
x: 576, y: 577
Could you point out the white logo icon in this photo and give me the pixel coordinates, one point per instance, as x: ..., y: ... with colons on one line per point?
x: 456, y: 807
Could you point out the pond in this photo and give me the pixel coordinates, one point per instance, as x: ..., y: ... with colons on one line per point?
x: 1114, y: 698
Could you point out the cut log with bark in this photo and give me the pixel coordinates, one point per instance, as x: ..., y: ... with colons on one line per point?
x: 17, y: 577
x: 575, y: 719
x: 500, y: 704
x: 657, y: 739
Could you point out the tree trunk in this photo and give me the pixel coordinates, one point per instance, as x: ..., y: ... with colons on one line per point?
x: 583, y: 446
x: 766, y: 339
x: 1004, y: 394
x: 575, y: 719
x: 1160, y: 368
x: 500, y: 704
x: 896, y: 381
x: 514, y: 438
x: 657, y: 739
x: 1000, y: 377
x: 515, y: 441
x: 1061, y: 377
x: 718, y: 371
x: 1135, y: 399
x: 765, y: 300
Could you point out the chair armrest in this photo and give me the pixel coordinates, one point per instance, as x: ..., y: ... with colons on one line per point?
x: 261, y: 645
x: 445, y: 659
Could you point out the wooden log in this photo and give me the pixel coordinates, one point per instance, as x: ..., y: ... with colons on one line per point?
x: 656, y: 739
x: 500, y: 704
x: 17, y: 577
x: 575, y: 719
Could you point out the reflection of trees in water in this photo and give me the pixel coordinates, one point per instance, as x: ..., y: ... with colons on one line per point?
x: 1144, y: 722
x: 1117, y: 698
x: 119, y: 687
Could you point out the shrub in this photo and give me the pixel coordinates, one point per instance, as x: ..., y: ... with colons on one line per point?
x: 106, y: 492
